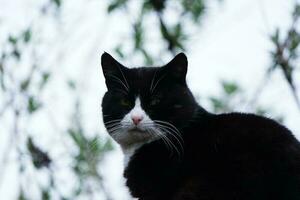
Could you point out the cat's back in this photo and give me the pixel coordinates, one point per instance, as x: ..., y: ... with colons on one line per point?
x: 253, y: 131
x: 246, y: 156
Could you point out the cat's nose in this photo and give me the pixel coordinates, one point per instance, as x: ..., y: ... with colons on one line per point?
x: 137, y: 119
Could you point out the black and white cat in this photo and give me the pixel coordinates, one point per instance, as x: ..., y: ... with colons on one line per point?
x: 174, y: 149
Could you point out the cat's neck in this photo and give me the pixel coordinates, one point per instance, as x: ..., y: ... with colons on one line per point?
x: 128, y: 152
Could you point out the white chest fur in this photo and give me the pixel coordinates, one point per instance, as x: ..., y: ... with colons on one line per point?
x: 129, y: 152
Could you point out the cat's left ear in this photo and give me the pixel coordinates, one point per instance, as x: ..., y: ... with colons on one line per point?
x: 112, y: 70
x: 177, y: 67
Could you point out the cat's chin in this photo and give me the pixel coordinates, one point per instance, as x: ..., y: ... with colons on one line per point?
x: 134, y: 136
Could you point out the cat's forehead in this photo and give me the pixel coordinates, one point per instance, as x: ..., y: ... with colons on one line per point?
x: 143, y: 78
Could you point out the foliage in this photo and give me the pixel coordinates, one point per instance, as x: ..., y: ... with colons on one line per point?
x: 285, y: 55
x: 233, y: 98
x: 173, y: 36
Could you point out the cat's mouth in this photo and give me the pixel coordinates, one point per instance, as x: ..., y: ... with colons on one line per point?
x: 136, y: 129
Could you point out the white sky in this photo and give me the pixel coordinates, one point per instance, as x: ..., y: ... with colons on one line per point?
x: 231, y: 44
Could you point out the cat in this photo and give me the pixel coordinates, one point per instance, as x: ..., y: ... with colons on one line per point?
x: 175, y: 149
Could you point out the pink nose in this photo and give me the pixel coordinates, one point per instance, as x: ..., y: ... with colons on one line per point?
x: 137, y: 119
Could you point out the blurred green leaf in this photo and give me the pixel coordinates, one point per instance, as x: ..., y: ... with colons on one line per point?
x: 195, y: 8
x: 115, y: 4
x: 147, y: 57
x: 16, y: 53
x: 296, y: 12
x: 39, y: 158
x: 138, y: 35
x: 71, y: 84
x: 27, y: 35
x: 119, y: 51
x: 276, y: 36
x: 24, y: 84
x: 13, y: 40
x: 3, y: 87
x: 108, y: 146
x: 217, y: 104
x: 46, y: 194
x: 21, y: 195
x: 76, y: 135
x: 57, y: 2
x: 157, y: 5
x: 33, y: 105
x: 230, y: 87
x: 45, y: 79
x: 294, y: 40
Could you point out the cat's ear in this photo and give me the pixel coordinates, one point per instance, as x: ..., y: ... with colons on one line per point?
x: 112, y: 69
x: 177, y: 67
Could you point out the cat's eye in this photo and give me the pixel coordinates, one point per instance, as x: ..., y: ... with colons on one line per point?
x: 154, y: 102
x: 125, y: 102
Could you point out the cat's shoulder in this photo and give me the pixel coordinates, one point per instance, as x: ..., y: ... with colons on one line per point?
x: 253, y: 120
x: 251, y: 127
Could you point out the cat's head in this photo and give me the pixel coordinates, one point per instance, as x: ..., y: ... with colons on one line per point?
x: 147, y: 103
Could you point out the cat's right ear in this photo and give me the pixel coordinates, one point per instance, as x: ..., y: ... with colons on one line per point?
x: 112, y: 69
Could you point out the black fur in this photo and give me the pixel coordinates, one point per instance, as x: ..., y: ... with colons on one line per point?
x: 231, y: 156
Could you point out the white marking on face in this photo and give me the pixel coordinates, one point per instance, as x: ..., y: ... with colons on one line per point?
x: 137, y: 113
x: 135, y: 132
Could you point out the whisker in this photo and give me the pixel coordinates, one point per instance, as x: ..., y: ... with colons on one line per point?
x: 112, y: 125
x: 172, y: 127
x: 152, y: 81
x: 172, y: 131
x: 172, y: 144
x: 123, y: 76
x: 157, y: 82
x: 115, y: 120
x: 165, y: 141
x: 119, y: 81
x: 175, y: 137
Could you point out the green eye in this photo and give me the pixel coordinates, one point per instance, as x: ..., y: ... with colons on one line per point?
x: 154, y: 102
x: 125, y: 102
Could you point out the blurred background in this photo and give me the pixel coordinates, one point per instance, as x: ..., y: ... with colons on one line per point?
x: 243, y: 56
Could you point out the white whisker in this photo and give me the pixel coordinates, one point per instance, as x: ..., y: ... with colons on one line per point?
x: 123, y: 76
x: 157, y: 82
x: 119, y: 81
x: 152, y: 81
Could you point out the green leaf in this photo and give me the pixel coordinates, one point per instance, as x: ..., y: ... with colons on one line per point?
x: 147, y: 57
x: 45, y: 78
x: 72, y: 84
x: 294, y: 37
x: 119, y: 51
x: 39, y: 158
x: 138, y: 35
x: 77, y: 136
x: 158, y: 5
x: 16, y: 53
x: 3, y: 87
x: 194, y: 7
x: 116, y: 4
x: 13, y: 40
x: 21, y: 195
x: 27, y: 35
x: 57, y: 2
x: 25, y: 84
x: 230, y: 87
x: 33, y: 105
x: 276, y: 36
x: 45, y: 194
x: 218, y: 104
x: 108, y: 146
x: 297, y: 11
